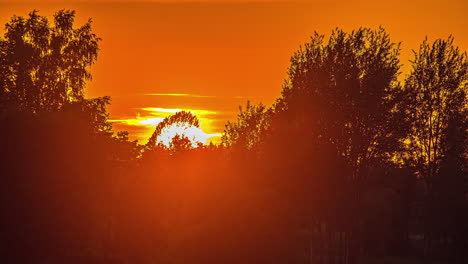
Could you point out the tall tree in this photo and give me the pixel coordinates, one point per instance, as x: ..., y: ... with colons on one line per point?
x: 437, y: 86
x: 345, y: 93
x: 250, y: 127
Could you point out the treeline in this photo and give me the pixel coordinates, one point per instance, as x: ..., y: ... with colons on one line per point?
x: 351, y: 164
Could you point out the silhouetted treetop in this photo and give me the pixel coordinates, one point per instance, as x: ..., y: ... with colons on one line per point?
x: 44, y: 66
x: 437, y: 86
x: 249, y: 128
x: 183, y: 118
x: 180, y: 143
x: 345, y: 92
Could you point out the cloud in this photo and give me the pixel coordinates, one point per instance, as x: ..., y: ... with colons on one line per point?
x: 157, y: 111
x: 199, y: 95
x: 139, y: 121
x: 182, y: 95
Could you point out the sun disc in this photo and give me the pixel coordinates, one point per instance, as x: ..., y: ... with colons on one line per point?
x: 193, y: 133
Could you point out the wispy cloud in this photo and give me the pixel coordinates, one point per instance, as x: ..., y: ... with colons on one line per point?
x: 182, y: 95
x: 198, y: 95
x: 164, y: 111
x: 139, y: 121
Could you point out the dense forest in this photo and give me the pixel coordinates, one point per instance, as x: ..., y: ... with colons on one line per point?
x: 353, y: 163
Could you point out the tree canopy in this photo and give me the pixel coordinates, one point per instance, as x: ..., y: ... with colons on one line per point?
x: 45, y: 66
x: 250, y: 127
x: 437, y: 86
x: 345, y: 92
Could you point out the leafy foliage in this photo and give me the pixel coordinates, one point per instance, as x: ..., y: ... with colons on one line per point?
x: 345, y: 92
x: 250, y: 127
x: 45, y: 66
x: 180, y: 143
x: 437, y: 86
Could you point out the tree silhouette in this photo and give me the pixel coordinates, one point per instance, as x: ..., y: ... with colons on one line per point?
x: 44, y: 66
x: 182, y: 119
x: 180, y: 143
x: 437, y: 86
x: 59, y: 159
x: 345, y: 92
x: 249, y: 128
x: 334, y: 129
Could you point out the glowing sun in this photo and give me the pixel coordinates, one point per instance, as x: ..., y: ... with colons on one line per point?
x: 193, y: 133
x: 182, y: 123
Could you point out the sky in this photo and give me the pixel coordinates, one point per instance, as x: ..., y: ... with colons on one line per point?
x: 210, y: 57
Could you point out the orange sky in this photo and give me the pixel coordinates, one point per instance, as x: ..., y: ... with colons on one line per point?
x: 213, y: 56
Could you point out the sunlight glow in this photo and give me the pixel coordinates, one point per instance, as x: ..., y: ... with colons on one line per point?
x: 197, y: 112
x: 162, y: 110
x: 193, y: 133
x: 139, y: 121
x: 182, y: 95
x: 152, y: 116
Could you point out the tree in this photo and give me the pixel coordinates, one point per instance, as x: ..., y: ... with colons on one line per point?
x: 437, y: 86
x: 45, y: 66
x: 180, y: 144
x: 92, y: 111
x: 59, y: 160
x: 345, y: 93
x: 182, y: 119
x: 340, y: 116
x: 249, y: 128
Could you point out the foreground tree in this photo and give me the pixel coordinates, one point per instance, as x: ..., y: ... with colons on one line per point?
x: 345, y: 93
x: 437, y: 85
x: 45, y: 66
x: 59, y: 162
x: 336, y: 126
x: 249, y: 129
